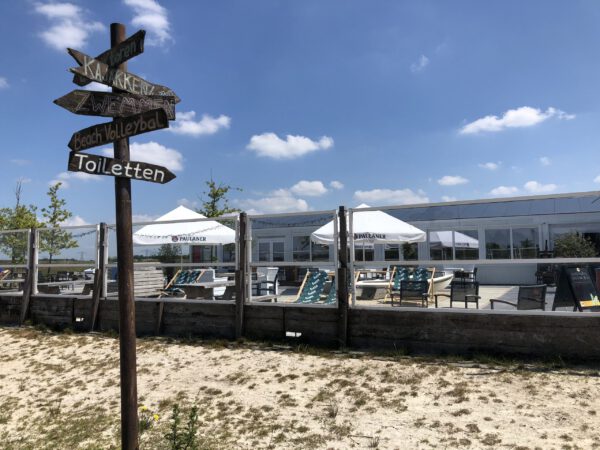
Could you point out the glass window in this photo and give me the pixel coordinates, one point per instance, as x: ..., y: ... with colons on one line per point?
x: 410, y: 252
x: 301, y: 248
x: 466, y: 244
x: 440, y: 245
x: 391, y: 252
x: 525, y: 243
x: 497, y: 244
x: 364, y: 253
x: 229, y: 253
x: 278, y: 252
x: 320, y: 252
x: 264, y: 250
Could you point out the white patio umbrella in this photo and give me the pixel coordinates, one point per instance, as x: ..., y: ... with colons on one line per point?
x: 373, y: 227
x: 207, y: 232
x: 444, y: 239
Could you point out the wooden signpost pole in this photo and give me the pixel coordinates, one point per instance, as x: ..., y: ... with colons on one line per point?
x: 127, y: 339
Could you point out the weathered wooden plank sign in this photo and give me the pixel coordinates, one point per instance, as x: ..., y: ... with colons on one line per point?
x: 102, y: 73
x: 105, y: 133
x: 108, y: 104
x: 101, y: 165
x: 129, y: 48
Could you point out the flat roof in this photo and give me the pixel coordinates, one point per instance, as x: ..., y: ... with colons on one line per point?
x: 571, y: 203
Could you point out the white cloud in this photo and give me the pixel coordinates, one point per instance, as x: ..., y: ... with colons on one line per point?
x: 24, y: 180
x: 525, y: 116
x: 336, y: 185
x: 420, y: 64
x: 68, y: 26
x: 75, y: 221
x: 185, y: 124
x: 153, y: 153
x: 452, y: 180
x: 279, y: 201
x: 490, y: 165
x: 65, y: 177
x: 309, y: 188
x: 151, y: 16
x: 3, y: 83
x: 448, y: 198
x: 545, y: 161
x: 538, y: 188
x: 191, y: 204
x: 391, y: 197
x: 503, y: 191
x: 272, y: 146
x: 93, y: 86
x: 137, y: 218
x: 20, y: 162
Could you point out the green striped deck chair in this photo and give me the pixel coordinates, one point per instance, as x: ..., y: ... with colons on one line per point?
x: 312, y: 287
x: 399, y: 274
x: 183, y: 276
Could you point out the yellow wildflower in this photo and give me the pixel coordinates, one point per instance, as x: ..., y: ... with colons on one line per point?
x: 156, y: 417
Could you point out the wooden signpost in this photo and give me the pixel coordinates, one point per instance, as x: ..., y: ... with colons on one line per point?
x: 102, y: 73
x: 146, y: 107
x: 107, y: 104
x: 125, y: 127
x: 100, y: 165
x: 130, y: 47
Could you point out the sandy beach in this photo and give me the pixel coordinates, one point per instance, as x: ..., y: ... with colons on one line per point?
x: 61, y: 391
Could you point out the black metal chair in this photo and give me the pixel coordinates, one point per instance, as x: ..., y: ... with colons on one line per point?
x: 463, y: 292
x: 412, y: 290
x: 529, y: 297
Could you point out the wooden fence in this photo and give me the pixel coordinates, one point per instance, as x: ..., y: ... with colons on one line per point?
x: 536, y: 333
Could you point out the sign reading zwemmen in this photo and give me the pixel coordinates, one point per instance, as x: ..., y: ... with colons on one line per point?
x: 101, y: 165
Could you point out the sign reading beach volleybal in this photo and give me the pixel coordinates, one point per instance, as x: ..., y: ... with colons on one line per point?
x: 105, y: 133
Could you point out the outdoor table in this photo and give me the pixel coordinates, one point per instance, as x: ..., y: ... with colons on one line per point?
x: 206, y: 289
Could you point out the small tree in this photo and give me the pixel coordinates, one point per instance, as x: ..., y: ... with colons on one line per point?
x: 574, y: 245
x: 169, y: 253
x: 217, y: 204
x: 55, y: 240
x: 17, y: 218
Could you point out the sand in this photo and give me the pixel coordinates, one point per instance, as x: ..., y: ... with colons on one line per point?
x: 60, y: 390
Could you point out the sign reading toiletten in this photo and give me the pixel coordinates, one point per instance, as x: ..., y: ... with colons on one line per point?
x: 100, y: 165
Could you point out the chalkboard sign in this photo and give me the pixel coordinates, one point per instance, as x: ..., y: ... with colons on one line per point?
x: 576, y: 289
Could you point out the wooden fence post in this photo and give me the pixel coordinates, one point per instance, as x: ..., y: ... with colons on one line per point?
x: 240, y: 277
x: 99, y: 275
x: 29, y: 285
x: 342, y: 279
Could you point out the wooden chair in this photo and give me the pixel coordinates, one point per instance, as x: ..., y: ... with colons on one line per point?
x: 313, y: 286
x: 413, y: 290
x: 528, y: 298
x: 463, y: 292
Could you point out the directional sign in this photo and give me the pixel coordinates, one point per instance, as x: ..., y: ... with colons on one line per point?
x: 130, y: 47
x: 104, y: 133
x: 102, y: 73
x: 100, y: 165
x: 107, y: 104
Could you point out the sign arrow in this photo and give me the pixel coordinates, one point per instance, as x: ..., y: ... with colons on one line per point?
x: 108, y: 104
x: 105, y: 133
x: 98, y: 71
x: 101, y: 165
x: 130, y: 47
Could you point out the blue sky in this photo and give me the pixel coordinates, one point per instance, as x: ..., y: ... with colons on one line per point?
x: 312, y: 104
